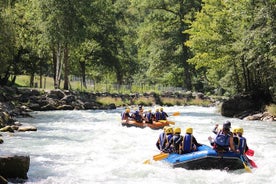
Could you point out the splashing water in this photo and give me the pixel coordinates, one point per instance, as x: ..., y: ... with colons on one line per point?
x: 92, y: 147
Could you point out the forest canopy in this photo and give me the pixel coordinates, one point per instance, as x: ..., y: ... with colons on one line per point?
x: 214, y: 46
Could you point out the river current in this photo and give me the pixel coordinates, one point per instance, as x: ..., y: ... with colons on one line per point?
x: 83, y: 147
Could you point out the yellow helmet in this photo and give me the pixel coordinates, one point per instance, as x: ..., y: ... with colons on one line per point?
x: 128, y: 110
x: 189, y: 130
x: 177, y: 130
x: 157, y: 110
x: 240, y: 130
x: 161, y: 109
x: 165, y: 127
x: 169, y: 130
x: 235, y: 130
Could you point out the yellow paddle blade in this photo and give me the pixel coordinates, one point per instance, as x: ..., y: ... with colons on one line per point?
x: 165, y: 121
x: 247, y: 168
x: 171, y: 122
x: 176, y: 114
x: 146, y: 161
x: 160, y: 156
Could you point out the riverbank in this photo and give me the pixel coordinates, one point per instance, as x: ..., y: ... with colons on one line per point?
x: 18, y: 102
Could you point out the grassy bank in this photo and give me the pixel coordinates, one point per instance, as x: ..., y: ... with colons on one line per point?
x: 149, y: 101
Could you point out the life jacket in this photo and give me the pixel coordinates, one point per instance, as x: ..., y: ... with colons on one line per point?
x: 187, y: 144
x: 241, y: 144
x: 176, y: 141
x: 162, y: 141
x: 137, y: 116
x: 163, y: 115
x: 168, y: 138
x: 157, y: 116
x: 222, y: 141
x: 149, y: 116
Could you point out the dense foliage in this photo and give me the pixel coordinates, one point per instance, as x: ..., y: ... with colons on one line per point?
x: 214, y: 46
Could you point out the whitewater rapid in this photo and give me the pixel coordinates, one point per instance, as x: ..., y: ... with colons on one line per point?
x: 83, y: 147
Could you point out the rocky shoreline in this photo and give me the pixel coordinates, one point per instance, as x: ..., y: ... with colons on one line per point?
x: 18, y: 102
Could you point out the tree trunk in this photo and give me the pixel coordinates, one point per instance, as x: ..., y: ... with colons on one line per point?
x: 82, y: 65
x: 66, y: 67
x: 32, y: 80
x: 57, y: 61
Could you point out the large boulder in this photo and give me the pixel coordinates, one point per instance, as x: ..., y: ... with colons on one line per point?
x: 243, y: 105
x: 237, y: 105
x: 14, y: 166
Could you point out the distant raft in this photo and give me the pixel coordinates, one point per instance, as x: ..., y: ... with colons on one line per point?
x: 207, y: 158
x: 155, y: 125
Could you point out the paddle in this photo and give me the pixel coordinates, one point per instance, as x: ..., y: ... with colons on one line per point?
x: 176, y: 114
x: 252, y: 163
x: 165, y: 121
x: 250, y: 152
x: 245, y: 165
x: 170, y: 122
x: 157, y: 157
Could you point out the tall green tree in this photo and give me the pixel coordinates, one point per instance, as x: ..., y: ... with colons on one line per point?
x: 229, y: 40
x: 65, y: 27
x: 161, y: 40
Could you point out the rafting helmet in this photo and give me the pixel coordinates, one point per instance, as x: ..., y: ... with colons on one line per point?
x: 165, y: 127
x: 127, y: 110
x: 169, y: 130
x: 157, y: 110
x: 177, y: 130
x: 161, y: 109
x: 227, y: 125
x: 189, y: 130
x: 239, y: 130
x: 235, y: 130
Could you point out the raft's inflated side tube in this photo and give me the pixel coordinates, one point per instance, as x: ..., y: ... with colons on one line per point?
x: 206, y: 158
x: 154, y: 125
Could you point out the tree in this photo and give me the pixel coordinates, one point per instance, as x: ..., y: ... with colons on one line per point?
x: 230, y: 39
x: 161, y: 39
x: 65, y: 27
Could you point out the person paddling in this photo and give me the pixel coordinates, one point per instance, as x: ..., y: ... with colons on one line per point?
x: 149, y: 116
x: 242, y: 143
x: 164, y: 115
x: 126, y: 115
x: 160, y: 144
x: 189, y: 142
x: 223, y: 141
x: 175, y: 141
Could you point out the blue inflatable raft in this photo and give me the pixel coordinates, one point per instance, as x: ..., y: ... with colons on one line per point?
x: 206, y: 158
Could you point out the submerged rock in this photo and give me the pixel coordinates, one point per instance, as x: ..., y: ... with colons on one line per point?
x: 14, y: 166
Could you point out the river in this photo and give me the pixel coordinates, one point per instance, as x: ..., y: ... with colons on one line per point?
x: 83, y: 147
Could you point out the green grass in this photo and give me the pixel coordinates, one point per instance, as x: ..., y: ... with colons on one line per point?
x: 271, y: 109
x: 48, y: 84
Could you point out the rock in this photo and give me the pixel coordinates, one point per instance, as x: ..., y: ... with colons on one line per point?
x: 7, y: 129
x: 26, y: 128
x: 14, y: 166
x: 65, y: 107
